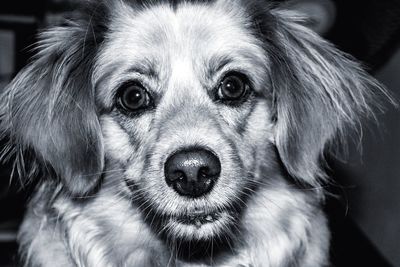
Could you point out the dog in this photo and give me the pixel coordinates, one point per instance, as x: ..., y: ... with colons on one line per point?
x: 180, y: 133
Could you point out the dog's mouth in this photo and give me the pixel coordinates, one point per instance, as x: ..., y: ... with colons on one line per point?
x: 200, y: 225
x: 198, y: 218
x: 197, y: 232
x: 201, y: 236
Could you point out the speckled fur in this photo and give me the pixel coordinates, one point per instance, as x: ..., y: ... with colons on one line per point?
x: 102, y: 170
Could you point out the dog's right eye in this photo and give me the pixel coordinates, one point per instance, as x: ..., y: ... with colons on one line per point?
x: 233, y: 88
x: 133, y: 97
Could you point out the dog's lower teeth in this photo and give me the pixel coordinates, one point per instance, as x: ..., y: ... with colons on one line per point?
x: 198, y: 223
x: 198, y: 220
x: 209, y: 218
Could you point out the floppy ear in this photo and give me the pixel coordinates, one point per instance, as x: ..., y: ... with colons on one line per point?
x: 319, y: 15
x: 319, y: 92
x: 49, y: 109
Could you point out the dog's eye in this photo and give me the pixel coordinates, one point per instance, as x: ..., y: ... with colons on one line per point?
x: 133, y: 97
x: 233, y: 87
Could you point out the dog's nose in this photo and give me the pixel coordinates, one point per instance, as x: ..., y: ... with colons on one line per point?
x: 192, y: 173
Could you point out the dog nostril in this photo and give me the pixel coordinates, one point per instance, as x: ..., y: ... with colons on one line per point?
x: 204, y: 171
x: 177, y: 175
x: 192, y: 173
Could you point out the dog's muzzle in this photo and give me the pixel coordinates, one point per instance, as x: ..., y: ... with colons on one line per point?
x: 192, y: 172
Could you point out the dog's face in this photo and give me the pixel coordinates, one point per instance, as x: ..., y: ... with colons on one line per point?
x: 199, y: 105
x: 184, y: 112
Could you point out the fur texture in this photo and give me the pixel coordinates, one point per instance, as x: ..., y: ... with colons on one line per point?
x: 102, y: 199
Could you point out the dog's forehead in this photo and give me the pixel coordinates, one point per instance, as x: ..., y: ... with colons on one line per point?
x: 200, y: 37
x: 189, y: 26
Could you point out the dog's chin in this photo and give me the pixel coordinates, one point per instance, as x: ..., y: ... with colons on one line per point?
x: 200, y: 236
x: 195, y: 234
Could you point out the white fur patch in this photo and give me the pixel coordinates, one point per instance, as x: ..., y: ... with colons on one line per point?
x: 116, y: 140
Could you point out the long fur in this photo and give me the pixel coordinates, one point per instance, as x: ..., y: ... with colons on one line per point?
x: 101, y: 199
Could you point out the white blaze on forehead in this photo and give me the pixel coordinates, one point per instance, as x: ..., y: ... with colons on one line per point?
x: 190, y: 26
x: 181, y: 41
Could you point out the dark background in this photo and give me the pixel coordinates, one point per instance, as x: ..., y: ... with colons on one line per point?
x: 369, y: 180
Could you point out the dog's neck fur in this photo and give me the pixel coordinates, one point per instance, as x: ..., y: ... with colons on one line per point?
x: 108, y: 231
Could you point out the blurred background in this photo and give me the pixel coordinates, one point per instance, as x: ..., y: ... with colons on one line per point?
x: 366, y: 213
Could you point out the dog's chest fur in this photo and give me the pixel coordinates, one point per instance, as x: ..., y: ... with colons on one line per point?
x: 283, y: 227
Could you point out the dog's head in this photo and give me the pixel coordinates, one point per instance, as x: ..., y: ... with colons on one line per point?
x: 196, y: 101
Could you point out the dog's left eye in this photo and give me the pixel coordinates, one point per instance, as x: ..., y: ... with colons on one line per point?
x: 133, y: 97
x: 233, y: 87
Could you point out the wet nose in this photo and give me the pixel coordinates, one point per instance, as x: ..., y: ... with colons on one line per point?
x: 193, y: 172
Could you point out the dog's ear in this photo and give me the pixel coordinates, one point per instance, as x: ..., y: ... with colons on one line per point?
x: 318, y: 15
x: 49, y: 108
x: 318, y: 92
